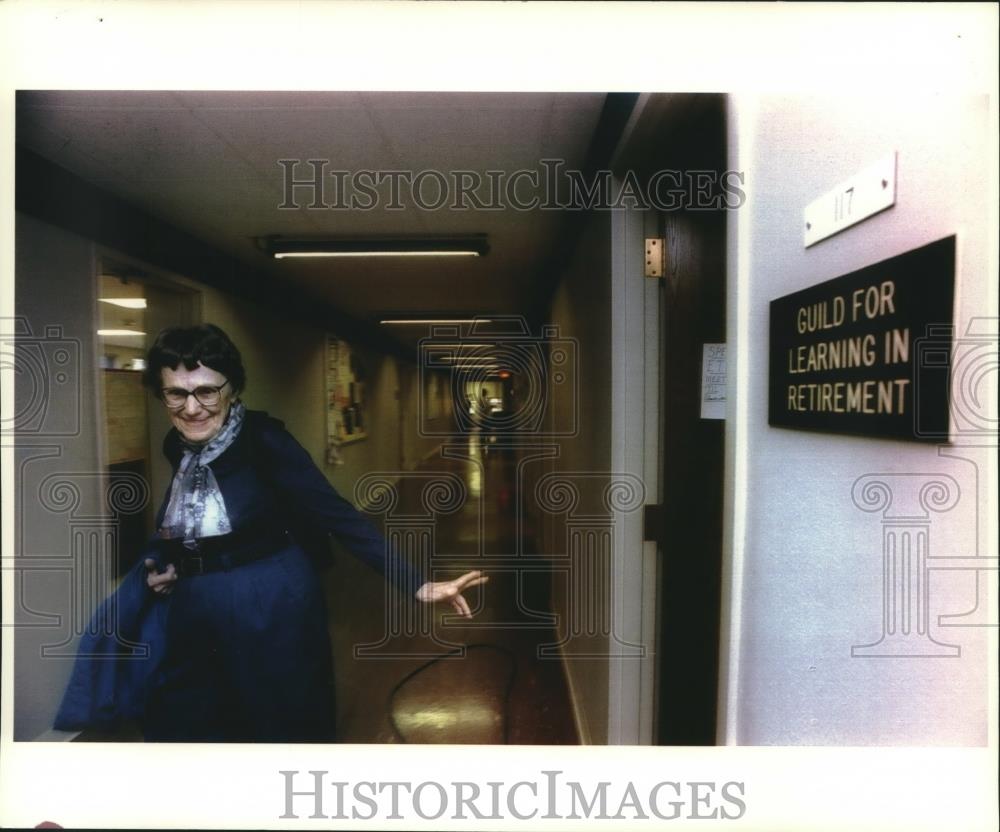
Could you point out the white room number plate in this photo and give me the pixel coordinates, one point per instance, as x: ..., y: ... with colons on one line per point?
x: 855, y: 199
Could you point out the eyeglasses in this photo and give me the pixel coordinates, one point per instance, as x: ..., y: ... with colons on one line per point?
x: 206, y: 395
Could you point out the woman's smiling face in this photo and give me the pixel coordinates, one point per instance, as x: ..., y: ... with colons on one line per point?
x: 197, y: 423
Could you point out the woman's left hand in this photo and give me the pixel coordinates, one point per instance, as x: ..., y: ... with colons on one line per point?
x: 451, y: 591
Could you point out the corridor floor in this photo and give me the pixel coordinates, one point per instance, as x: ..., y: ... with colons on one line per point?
x: 498, y: 689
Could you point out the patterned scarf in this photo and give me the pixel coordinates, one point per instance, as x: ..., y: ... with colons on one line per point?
x: 196, y: 508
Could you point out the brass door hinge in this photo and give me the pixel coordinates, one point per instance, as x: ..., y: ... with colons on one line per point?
x: 655, y: 256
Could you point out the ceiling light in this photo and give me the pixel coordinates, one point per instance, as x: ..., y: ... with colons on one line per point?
x: 281, y: 255
x: 434, y: 346
x: 119, y: 332
x: 490, y: 365
x: 126, y: 303
x: 472, y: 245
x: 416, y: 321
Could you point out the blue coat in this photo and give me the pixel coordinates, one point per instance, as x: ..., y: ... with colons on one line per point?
x: 240, y: 654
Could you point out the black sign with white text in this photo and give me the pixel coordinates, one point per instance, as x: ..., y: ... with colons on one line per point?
x: 868, y: 352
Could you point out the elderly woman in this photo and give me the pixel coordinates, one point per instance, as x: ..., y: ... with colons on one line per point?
x: 231, y: 605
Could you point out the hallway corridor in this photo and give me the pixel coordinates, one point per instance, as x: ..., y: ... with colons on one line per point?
x: 533, y: 419
x: 500, y: 690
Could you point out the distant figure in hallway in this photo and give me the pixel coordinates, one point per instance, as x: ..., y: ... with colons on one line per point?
x: 225, y: 593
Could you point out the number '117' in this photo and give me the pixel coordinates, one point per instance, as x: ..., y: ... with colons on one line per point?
x: 842, y: 204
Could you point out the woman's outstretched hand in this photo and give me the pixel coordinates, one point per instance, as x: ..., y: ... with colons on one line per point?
x: 451, y: 591
x: 162, y: 583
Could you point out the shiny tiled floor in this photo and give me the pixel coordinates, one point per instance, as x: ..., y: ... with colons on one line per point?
x: 499, y: 690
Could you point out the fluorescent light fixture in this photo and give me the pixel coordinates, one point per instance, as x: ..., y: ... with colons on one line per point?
x: 119, y: 332
x: 126, y: 303
x: 470, y: 245
x: 417, y: 321
x: 466, y: 365
x: 434, y: 347
x: 401, y: 253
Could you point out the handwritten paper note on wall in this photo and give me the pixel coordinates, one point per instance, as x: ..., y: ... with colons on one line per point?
x: 713, y: 381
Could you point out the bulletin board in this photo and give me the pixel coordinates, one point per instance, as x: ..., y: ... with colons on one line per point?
x: 346, y: 417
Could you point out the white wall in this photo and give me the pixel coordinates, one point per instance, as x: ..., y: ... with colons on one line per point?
x: 59, y: 478
x: 610, y: 311
x: 804, y: 563
x: 635, y: 461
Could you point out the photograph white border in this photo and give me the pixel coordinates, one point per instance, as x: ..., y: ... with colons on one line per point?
x: 833, y: 49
